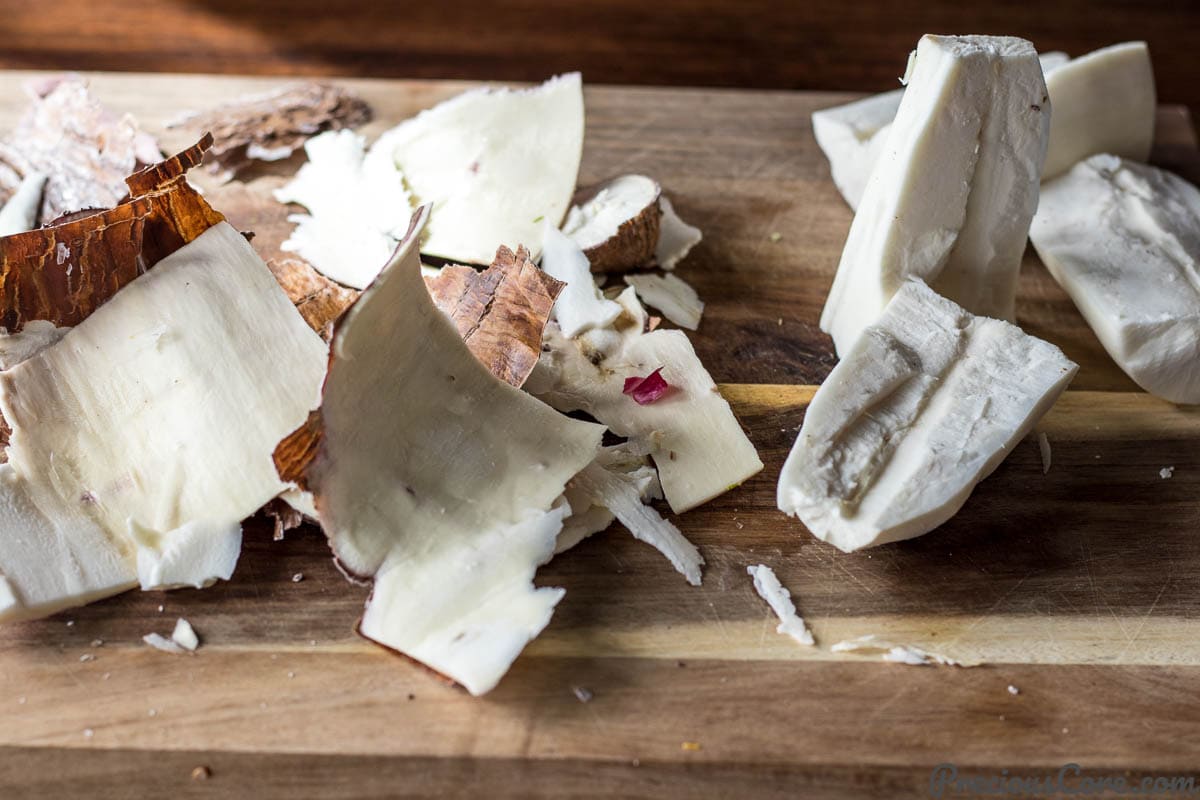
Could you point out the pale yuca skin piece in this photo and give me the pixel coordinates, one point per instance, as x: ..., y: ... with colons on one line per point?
x: 145, y: 434
x: 926, y: 404
x: 852, y: 136
x: 1104, y: 102
x: 494, y: 164
x: 691, y: 433
x: 1123, y: 239
x: 440, y: 481
x: 952, y: 196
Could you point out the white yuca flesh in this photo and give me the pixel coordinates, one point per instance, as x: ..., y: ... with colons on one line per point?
x: 697, y: 444
x: 437, y: 478
x: 952, y: 196
x: 671, y: 295
x: 852, y: 136
x: 358, y: 208
x: 580, y: 306
x: 20, y: 213
x: 1124, y: 240
x: 494, y: 164
x: 925, y: 405
x: 780, y: 600
x: 144, y: 436
x: 1104, y: 102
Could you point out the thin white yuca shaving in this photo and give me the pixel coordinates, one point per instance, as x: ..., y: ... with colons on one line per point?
x: 580, y: 306
x: 357, y: 206
x: 452, y: 551
x: 896, y: 653
x: 780, y: 600
x: 20, y: 213
x: 1044, y: 449
x: 675, y: 238
x: 145, y: 435
x: 696, y: 442
x: 620, y: 495
x: 676, y: 299
x: 185, y: 636
x: 587, y: 516
x: 495, y: 164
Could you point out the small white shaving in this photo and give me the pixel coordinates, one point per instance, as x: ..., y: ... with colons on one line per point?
x: 1044, y: 446
x: 895, y: 653
x: 184, y: 635
x: 780, y: 600
x: 671, y: 295
x: 1166, y: 472
x: 61, y: 253
x: 1013, y: 690
x: 620, y: 495
x: 159, y: 642
x: 675, y: 238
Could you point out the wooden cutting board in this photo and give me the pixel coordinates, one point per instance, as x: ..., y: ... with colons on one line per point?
x: 1078, y: 588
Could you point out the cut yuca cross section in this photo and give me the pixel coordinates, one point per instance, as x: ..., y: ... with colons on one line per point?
x: 1104, y: 102
x: 925, y: 405
x: 852, y: 136
x: 953, y: 193
x: 437, y: 479
x: 143, y: 437
x: 495, y: 164
x: 696, y: 442
x: 1124, y: 240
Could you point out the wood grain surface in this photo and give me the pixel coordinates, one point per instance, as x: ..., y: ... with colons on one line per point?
x: 749, y: 44
x: 1078, y: 587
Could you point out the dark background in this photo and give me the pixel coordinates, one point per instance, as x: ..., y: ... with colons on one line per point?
x: 745, y: 43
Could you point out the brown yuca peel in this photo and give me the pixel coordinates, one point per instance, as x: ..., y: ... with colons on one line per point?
x: 617, y: 223
x: 64, y: 272
x: 295, y: 454
x: 501, y: 312
x: 272, y: 126
x: 178, y: 212
x: 318, y: 299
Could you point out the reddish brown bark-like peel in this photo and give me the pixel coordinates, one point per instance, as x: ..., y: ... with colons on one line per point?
x: 295, y: 454
x: 63, y: 272
x: 500, y: 312
x: 272, y: 126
